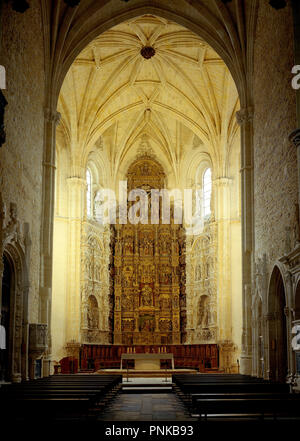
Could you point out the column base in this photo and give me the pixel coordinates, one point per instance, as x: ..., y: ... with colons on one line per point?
x: 246, y: 364
x: 16, y: 378
x: 46, y: 363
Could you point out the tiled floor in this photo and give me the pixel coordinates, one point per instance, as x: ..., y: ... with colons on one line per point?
x: 146, y: 407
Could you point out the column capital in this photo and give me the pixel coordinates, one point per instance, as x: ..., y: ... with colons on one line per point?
x: 288, y: 277
x: 76, y: 180
x: 52, y: 115
x: 244, y: 115
x: 294, y: 137
x: 222, y: 181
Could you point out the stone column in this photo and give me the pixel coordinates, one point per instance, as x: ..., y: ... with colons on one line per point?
x: 255, y: 348
x: 269, y: 320
x: 222, y: 215
x: 52, y: 118
x: 245, y: 120
x: 77, y: 191
x: 289, y: 320
x: 227, y: 356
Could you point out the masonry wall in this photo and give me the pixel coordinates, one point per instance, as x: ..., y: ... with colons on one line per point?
x: 22, y: 54
x: 275, y: 164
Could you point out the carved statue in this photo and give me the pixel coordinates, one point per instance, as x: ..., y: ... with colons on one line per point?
x: 198, y: 272
x: 128, y: 247
x: 164, y: 303
x: 204, y: 312
x: 92, y: 313
x: 146, y: 296
x: 127, y: 303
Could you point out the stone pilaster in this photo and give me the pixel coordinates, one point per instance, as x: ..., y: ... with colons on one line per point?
x: 294, y: 137
x: 245, y: 120
x: 289, y: 319
x: 222, y: 215
x: 52, y: 118
x: 77, y: 190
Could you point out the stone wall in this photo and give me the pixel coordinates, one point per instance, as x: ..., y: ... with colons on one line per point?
x: 275, y: 163
x: 22, y: 54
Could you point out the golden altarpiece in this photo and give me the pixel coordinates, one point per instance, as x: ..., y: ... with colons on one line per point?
x: 148, y: 272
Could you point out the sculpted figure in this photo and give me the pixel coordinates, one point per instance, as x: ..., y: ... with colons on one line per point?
x: 146, y: 296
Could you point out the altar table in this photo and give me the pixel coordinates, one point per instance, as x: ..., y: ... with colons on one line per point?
x: 147, y: 361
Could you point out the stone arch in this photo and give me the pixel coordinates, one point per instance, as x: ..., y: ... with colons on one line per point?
x: 93, y: 313
x: 195, y: 165
x: 218, y: 30
x: 258, y: 336
x: 200, y: 243
x: 17, y: 322
x: 203, y: 311
x: 277, y: 327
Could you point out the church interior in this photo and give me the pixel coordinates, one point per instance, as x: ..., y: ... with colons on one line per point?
x: 149, y: 208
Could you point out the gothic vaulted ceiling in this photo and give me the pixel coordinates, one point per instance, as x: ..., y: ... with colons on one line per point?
x: 175, y: 99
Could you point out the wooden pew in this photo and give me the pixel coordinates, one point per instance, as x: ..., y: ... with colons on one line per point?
x: 205, y: 396
x: 260, y: 406
x: 235, y: 394
x: 58, y: 396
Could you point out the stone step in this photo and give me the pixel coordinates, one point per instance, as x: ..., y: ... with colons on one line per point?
x: 141, y: 384
x: 146, y: 390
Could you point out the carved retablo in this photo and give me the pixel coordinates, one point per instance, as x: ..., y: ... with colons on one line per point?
x: 149, y: 305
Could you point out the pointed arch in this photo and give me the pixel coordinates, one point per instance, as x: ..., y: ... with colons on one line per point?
x: 278, y: 356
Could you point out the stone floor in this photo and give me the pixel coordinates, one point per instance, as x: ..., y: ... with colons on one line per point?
x: 144, y: 380
x: 146, y: 407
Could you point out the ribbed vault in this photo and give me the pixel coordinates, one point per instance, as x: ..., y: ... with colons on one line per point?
x: 180, y: 101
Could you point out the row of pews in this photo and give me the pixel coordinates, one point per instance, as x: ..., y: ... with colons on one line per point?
x: 216, y: 395
x: 59, y: 397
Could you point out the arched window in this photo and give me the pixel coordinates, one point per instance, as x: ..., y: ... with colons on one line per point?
x: 206, y: 188
x: 88, y: 193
